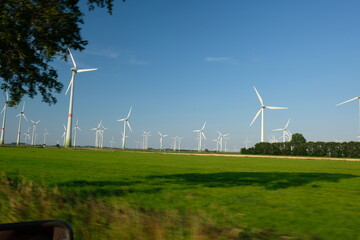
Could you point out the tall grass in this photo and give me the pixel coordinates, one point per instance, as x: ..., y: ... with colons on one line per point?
x: 23, y: 200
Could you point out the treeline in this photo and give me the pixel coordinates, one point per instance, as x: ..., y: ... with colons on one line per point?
x: 314, y: 149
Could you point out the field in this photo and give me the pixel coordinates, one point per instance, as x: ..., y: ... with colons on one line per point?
x: 138, y: 195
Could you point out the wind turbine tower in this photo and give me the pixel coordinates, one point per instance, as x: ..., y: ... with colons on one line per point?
x: 74, y: 71
x: 20, y: 115
x: 262, y: 111
x: 45, y: 133
x: 126, y: 123
x: 4, y: 119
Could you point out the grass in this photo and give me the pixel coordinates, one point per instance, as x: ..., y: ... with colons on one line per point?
x: 189, y: 197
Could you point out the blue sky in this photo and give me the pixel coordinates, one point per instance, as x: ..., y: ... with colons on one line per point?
x: 181, y: 63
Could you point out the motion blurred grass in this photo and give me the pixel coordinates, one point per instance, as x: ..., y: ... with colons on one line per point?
x: 139, y: 195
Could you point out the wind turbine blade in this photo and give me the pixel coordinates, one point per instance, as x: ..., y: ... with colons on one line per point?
x: 260, y: 99
x: 196, y: 130
x: 129, y: 126
x: 70, y: 83
x: 72, y: 58
x: 219, y: 132
x: 129, y: 112
x: 279, y: 129
x: 287, y: 124
x: 86, y: 70
x: 23, y: 109
x: 37, y: 122
x: 121, y: 120
x: 3, y: 110
x: 202, y: 133
x: 64, y: 127
x: 7, y: 95
x: 32, y: 121
x: 24, y: 117
x: 269, y: 107
x: 257, y: 114
x: 160, y: 133
x: 203, y: 126
x: 348, y: 101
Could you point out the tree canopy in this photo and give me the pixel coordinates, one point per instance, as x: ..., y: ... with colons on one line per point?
x: 32, y: 34
x: 297, y: 138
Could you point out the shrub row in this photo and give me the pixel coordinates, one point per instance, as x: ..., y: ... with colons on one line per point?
x: 315, y: 149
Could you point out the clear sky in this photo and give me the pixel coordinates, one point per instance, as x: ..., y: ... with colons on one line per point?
x: 181, y: 63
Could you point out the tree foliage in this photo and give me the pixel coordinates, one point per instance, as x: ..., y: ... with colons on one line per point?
x: 314, y: 149
x: 32, y: 34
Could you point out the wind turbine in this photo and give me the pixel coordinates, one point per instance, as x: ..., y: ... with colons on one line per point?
x: 26, y: 136
x: 101, y: 134
x: 4, y: 118
x: 126, y: 122
x: 112, y: 142
x: 45, y: 133
x: 75, y: 130
x: 97, y: 133
x: 355, y: 98
x: 33, y: 132
x: 175, y: 143
x: 146, y: 136
x: 161, y: 139
x: 200, y: 136
x: 64, y: 135
x: 74, y: 71
x: 221, y: 138
x: 285, y: 131
x: 217, y: 143
x: 20, y: 115
x: 262, y: 113
x: 225, y: 143
x: 179, y: 141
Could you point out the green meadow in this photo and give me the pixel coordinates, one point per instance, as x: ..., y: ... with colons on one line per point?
x: 107, y: 194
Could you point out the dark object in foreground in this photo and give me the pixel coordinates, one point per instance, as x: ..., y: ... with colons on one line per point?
x: 40, y: 230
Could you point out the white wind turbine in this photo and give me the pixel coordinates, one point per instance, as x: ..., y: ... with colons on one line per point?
x: 126, y: 122
x: 101, y: 134
x: 45, y: 133
x: 161, y: 139
x: 97, y: 133
x: 355, y: 98
x: 200, y: 136
x: 75, y: 130
x: 217, y: 143
x: 179, y: 143
x: 146, y: 136
x: 4, y: 118
x: 285, y: 131
x: 175, y: 143
x: 64, y: 135
x: 112, y: 142
x: 20, y: 115
x: 225, y: 143
x: 27, y: 135
x: 221, y: 139
x: 33, y: 132
x: 74, y: 71
x: 262, y: 113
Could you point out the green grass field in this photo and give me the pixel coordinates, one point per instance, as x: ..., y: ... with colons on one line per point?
x: 237, y: 198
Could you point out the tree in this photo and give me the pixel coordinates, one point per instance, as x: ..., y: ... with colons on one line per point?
x: 32, y: 34
x: 297, y: 139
